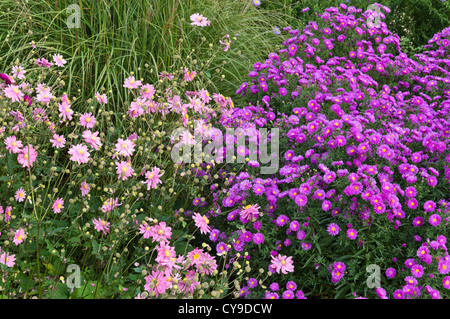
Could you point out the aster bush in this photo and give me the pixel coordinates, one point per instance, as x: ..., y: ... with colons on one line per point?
x: 363, y: 163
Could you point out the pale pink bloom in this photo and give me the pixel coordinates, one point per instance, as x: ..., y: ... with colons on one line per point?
x: 85, y: 188
x: 250, y: 212
x: 80, y: 153
x: 282, y: 263
x: 13, y: 144
x: 19, y: 236
x: 202, y: 223
x: 101, y: 225
x: 110, y: 204
x: 204, y: 95
x: 51, y: 126
x: 165, y: 75
x: 132, y: 83
x: 18, y: 72
x: 8, y: 211
x: 125, y: 147
x: 59, y: 61
x: 27, y: 156
x: 161, y: 232
x: 124, y: 170
x: 13, y: 92
x: 199, y: 20
x: 65, y: 111
x: 136, y: 108
x: 44, y: 96
x: 152, y: 106
x: 33, y: 44
x: 156, y: 282
x: 87, y: 120
x: 189, y: 75
x: 189, y: 278
x: 58, y: 205
x: 166, y: 255
x: 196, y: 256
x: 133, y: 137
x: 7, y: 259
x: 41, y: 88
x: 152, y: 178
x: 43, y: 62
x: 225, y: 43
x: 92, y: 139
x: 58, y: 141
x: 101, y: 98
x: 20, y: 195
x: 146, y: 230
x: 147, y: 91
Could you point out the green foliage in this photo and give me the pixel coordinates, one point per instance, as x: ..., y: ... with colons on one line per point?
x: 147, y: 36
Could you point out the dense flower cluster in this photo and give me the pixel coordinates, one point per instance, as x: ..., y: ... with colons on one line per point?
x: 364, y: 134
x: 101, y: 183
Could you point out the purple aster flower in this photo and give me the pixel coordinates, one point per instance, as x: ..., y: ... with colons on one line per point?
x: 434, y: 220
x: 333, y: 229
x: 417, y: 270
x: 282, y: 220
x: 352, y: 233
x: 258, y: 238
x: 390, y: 272
x: 418, y: 221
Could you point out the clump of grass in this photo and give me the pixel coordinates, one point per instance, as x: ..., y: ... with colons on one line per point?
x: 147, y: 36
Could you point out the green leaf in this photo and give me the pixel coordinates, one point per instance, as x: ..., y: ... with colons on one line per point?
x: 62, y: 292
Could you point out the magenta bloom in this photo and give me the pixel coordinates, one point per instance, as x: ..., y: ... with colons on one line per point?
x: 159, y: 281
x: 417, y: 270
x: 429, y: 206
x: 258, y: 238
x: 432, y: 180
x: 101, y: 98
x: 301, y: 200
x: 446, y: 282
x: 434, y: 220
x: 65, y: 111
x: 333, y: 229
x: 412, y: 203
x: 390, y: 272
x: 352, y: 233
x: 282, y: 264
x: 418, y: 221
